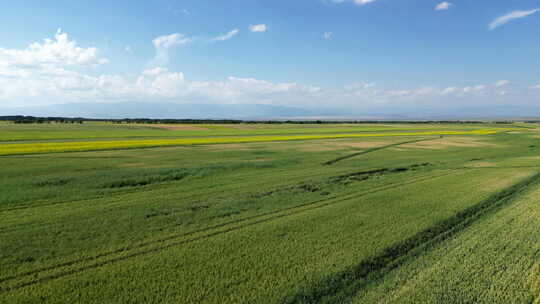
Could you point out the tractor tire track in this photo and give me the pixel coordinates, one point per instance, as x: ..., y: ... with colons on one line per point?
x: 333, y: 161
x: 18, y: 227
x: 273, y: 215
x: 246, y: 177
x: 109, y: 195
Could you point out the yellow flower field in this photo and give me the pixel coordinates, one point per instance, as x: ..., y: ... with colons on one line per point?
x: 53, y: 147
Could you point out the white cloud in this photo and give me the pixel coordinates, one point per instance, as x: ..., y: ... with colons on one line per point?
x: 162, y: 45
x: 227, y: 36
x: 472, y: 89
x: 48, y: 86
x: 357, y: 2
x: 258, y: 28
x: 155, y: 71
x: 510, y: 17
x: 359, y: 85
x: 177, y: 11
x: 327, y: 35
x: 51, y: 83
x: 449, y: 90
x: 443, y: 6
x: 168, y: 41
x: 363, y: 2
x: 535, y: 87
x: 128, y: 48
x: 479, y: 87
x: 60, y: 51
x: 502, y: 83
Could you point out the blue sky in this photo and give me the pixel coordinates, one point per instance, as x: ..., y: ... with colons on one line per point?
x: 305, y: 53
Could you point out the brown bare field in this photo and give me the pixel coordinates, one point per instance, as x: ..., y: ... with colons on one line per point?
x: 450, y: 142
x: 180, y: 127
x: 364, y: 144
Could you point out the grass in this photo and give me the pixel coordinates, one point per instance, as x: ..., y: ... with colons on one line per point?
x: 264, y: 221
x: 495, y: 261
x: 100, y: 130
x: 341, y: 287
x: 77, y: 146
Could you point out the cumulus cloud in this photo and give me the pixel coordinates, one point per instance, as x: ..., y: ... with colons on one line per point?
x: 359, y: 85
x: 327, y: 35
x: 358, y: 2
x: 363, y: 2
x: 155, y: 71
x: 502, y: 83
x: 536, y: 87
x: 49, y: 80
x: 472, y: 89
x: 162, y: 44
x: 56, y: 85
x: 258, y: 28
x: 449, y: 90
x: 510, y: 17
x: 59, y: 51
x: 443, y: 6
x: 63, y: 80
x: 168, y: 41
x: 226, y: 36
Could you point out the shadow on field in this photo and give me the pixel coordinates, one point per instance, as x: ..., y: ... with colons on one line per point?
x: 333, y: 161
x: 342, y: 286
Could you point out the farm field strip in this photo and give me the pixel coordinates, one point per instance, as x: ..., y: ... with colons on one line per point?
x: 55, y: 224
x: 342, y: 287
x: 327, y: 132
x: 250, y: 183
x: 252, y: 236
x: 247, y: 180
x: 21, y: 226
x: 280, y: 216
x: 243, y: 178
x: 100, y: 131
x: 496, y: 260
x: 354, y: 195
x: 125, y: 253
x: 55, y: 147
x: 33, y: 217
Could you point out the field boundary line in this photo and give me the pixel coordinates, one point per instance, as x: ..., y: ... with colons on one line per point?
x: 333, y: 161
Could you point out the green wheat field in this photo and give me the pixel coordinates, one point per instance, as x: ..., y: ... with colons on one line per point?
x: 269, y: 213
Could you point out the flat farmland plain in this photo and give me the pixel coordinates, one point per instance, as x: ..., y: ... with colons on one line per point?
x: 275, y: 213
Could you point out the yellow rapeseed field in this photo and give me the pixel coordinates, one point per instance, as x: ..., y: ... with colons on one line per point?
x: 52, y: 147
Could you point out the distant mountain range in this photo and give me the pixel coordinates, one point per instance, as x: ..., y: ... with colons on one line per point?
x: 259, y: 112
x: 160, y: 111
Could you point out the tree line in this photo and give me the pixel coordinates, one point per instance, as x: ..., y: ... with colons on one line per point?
x: 20, y: 119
